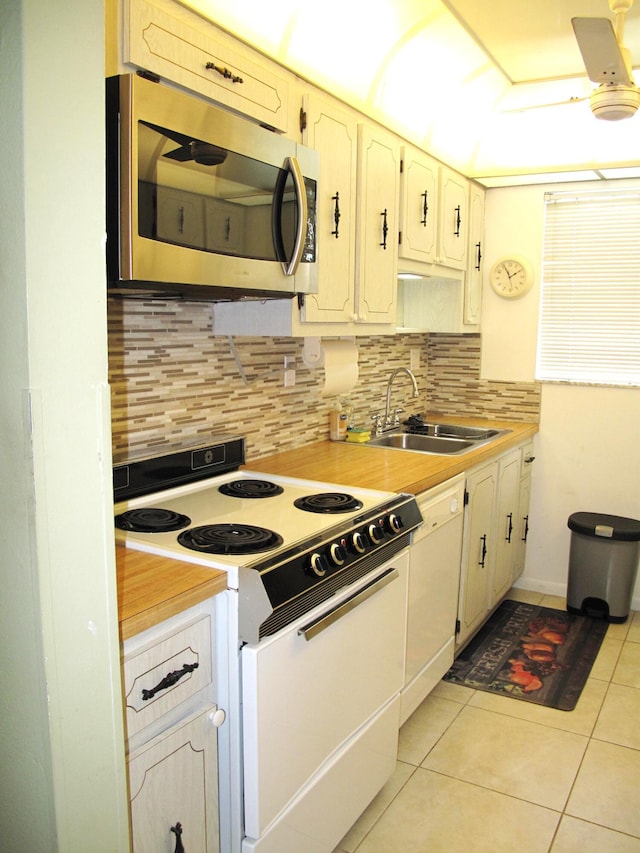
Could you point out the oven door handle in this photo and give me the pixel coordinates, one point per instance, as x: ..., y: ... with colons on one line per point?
x: 316, y: 627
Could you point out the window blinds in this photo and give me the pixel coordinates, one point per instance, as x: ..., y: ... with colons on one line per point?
x: 590, y: 305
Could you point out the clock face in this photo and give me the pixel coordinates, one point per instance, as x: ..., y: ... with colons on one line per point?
x: 511, y: 277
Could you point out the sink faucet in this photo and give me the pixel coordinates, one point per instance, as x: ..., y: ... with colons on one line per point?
x: 392, y: 421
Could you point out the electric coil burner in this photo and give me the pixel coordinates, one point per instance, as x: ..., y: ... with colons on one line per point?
x: 230, y: 539
x: 152, y: 520
x: 251, y: 489
x: 328, y: 502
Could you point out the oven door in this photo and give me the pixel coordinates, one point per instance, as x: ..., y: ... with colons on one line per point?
x: 321, y: 715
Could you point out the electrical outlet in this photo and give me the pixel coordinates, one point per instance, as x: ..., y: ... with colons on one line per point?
x: 414, y: 358
x: 289, y: 378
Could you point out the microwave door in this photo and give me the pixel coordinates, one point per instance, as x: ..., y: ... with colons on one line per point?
x: 289, y: 216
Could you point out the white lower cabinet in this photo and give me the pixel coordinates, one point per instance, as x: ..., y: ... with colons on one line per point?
x: 506, y: 515
x: 173, y: 783
x: 473, y: 605
x: 172, y: 722
x: 496, y: 524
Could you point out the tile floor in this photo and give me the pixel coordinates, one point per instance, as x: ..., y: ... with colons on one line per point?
x: 478, y: 772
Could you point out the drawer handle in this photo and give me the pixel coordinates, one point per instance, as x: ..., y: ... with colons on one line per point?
x: 224, y: 72
x: 169, y: 680
x: 177, y: 831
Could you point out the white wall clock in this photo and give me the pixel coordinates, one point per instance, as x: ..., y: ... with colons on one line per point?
x: 511, y: 276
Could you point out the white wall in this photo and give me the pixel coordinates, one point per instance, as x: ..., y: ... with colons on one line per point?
x: 61, y: 728
x: 587, y: 450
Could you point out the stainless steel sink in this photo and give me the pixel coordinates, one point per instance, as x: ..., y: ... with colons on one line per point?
x: 436, y: 438
x: 421, y: 443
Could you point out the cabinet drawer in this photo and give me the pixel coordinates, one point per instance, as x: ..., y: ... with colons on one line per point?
x: 204, y: 61
x: 167, y: 673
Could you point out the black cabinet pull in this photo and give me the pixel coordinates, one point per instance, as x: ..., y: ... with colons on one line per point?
x: 385, y: 228
x: 509, y: 527
x: 336, y: 213
x: 483, y: 539
x: 169, y: 680
x: 456, y: 233
x: 478, y: 255
x: 425, y: 209
x: 177, y: 831
x: 224, y: 72
x: 526, y: 528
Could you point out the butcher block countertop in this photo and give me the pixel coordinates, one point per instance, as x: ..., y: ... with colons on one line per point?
x: 152, y: 588
x: 382, y: 468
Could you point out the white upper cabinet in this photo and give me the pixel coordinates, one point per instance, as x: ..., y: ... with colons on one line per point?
x: 170, y: 41
x: 333, y: 132
x: 454, y: 219
x: 378, y: 208
x: 435, y: 212
x: 419, y: 206
x: 473, y: 278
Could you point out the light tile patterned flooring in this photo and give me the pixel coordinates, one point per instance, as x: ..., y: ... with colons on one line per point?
x: 478, y: 772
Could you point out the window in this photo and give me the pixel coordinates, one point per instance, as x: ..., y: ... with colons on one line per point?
x: 590, y: 304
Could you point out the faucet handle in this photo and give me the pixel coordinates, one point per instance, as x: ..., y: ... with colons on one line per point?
x: 396, y: 416
x: 377, y: 420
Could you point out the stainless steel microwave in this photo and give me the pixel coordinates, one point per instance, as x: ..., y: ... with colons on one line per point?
x: 201, y: 203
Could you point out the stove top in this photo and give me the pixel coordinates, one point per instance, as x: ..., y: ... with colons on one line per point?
x: 206, y: 523
x: 302, y: 538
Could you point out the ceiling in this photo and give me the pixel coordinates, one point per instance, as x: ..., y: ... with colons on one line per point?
x: 501, y: 95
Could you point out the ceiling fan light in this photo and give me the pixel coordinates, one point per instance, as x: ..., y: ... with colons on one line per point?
x: 614, y: 102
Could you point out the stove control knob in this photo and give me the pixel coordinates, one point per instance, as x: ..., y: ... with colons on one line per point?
x: 337, y: 554
x: 317, y: 566
x: 358, y: 542
x: 376, y: 534
x: 395, y: 523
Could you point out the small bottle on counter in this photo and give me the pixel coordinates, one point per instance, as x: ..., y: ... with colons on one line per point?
x: 337, y: 424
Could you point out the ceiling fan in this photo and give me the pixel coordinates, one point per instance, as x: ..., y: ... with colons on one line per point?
x: 608, y: 63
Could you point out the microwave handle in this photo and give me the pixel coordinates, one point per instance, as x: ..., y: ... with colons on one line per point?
x: 290, y: 266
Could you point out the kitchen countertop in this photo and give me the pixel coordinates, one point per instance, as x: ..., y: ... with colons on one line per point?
x: 390, y: 470
x: 152, y: 588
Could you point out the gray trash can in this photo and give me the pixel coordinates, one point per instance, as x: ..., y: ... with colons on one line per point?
x: 603, y: 563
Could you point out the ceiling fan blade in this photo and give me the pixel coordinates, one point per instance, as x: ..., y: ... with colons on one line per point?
x: 528, y: 107
x: 601, y: 51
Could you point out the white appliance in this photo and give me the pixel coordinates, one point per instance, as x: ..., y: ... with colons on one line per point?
x: 310, y: 637
x: 434, y: 577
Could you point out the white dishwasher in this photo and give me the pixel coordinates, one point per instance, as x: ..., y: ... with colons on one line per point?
x: 434, y: 578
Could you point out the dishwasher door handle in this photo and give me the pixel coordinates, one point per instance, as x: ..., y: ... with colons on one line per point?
x: 317, y: 626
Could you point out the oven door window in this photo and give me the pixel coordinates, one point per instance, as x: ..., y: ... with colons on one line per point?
x: 197, y: 194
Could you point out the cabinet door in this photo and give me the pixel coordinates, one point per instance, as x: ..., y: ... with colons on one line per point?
x: 173, y: 780
x: 524, y: 500
x: 190, y: 51
x: 333, y: 132
x: 418, y: 206
x: 378, y: 205
x: 454, y: 219
x: 506, y: 524
x: 478, y: 550
x: 473, y: 278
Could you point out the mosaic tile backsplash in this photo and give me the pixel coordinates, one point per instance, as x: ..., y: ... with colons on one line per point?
x: 173, y: 383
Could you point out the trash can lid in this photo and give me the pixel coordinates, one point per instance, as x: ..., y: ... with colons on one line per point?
x: 607, y: 526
